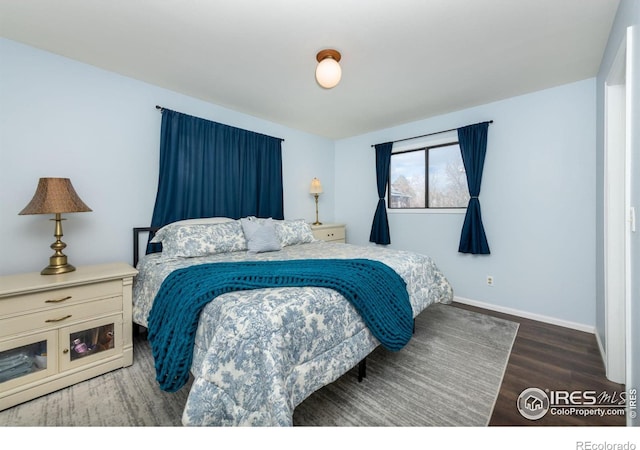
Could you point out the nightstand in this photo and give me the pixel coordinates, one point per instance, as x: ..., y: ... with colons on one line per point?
x: 330, y: 232
x: 58, y: 330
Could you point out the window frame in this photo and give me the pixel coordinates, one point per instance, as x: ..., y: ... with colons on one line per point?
x: 426, y: 209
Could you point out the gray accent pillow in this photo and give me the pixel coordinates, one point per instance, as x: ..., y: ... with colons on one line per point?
x: 260, y: 235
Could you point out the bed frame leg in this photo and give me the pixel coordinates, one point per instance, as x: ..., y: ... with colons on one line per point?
x: 139, y: 330
x: 414, y: 326
x: 362, y: 370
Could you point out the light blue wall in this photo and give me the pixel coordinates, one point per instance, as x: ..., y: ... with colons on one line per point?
x: 628, y: 15
x: 541, y: 194
x: 61, y: 118
x: 537, y: 203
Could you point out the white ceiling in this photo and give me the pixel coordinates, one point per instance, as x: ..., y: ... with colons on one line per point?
x: 402, y: 60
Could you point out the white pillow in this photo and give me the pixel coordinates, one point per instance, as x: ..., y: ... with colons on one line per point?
x: 260, y: 235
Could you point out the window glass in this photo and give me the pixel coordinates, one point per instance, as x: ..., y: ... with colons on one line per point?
x: 447, y: 178
x: 429, y: 177
x: 407, y: 180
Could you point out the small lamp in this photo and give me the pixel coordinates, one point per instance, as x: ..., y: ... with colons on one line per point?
x: 55, y: 196
x: 316, y: 189
x: 328, y: 71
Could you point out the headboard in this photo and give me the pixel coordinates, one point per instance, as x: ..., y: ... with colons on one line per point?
x: 136, y: 240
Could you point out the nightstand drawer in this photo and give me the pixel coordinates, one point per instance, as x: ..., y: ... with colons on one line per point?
x: 330, y: 233
x: 55, y: 318
x: 57, y: 298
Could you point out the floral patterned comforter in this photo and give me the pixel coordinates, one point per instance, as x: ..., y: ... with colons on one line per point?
x: 258, y: 354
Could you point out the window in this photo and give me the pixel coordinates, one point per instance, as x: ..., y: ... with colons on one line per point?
x: 428, y: 177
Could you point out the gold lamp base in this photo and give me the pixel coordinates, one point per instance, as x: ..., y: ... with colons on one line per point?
x: 317, y: 222
x: 58, y: 261
x: 54, y: 268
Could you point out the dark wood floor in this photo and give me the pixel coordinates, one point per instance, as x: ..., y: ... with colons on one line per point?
x: 554, y: 358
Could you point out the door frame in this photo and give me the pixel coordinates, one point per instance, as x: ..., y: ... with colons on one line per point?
x: 617, y: 191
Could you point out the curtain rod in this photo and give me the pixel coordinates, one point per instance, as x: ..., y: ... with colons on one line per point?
x: 162, y: 108
x: 432, y: 134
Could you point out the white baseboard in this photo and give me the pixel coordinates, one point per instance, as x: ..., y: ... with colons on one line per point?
x: 603, y: 354
x: 528, y: 315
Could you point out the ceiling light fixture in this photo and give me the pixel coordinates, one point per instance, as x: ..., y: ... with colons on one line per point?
x: 328, y: 72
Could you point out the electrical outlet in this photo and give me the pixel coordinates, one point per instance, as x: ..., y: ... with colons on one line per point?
x: 489, y: 280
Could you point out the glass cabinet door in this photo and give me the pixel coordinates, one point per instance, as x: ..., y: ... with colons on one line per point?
x: 89, y: 341
x: 26, y: 359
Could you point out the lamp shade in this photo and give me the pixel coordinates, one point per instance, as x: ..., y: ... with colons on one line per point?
x: 53, y: 196
x: 328, y: 71
x: 316, y: 187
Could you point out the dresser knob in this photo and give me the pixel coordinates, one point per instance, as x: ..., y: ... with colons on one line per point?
x: 65, y: 351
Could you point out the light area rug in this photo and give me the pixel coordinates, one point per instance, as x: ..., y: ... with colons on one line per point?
x: 448, y: 375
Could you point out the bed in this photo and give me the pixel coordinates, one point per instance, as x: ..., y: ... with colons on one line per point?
x: 259, y: 353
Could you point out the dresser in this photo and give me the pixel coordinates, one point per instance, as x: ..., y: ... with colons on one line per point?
x: 330, y: 232
x: 57, y: 330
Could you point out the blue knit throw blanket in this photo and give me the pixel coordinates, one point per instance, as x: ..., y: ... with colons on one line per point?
x: 377, y: 292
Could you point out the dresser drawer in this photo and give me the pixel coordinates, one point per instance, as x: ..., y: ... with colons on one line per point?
x: 56, y: 298
x: 58, y: 317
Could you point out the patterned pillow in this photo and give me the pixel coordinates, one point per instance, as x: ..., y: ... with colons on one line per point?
x: 200, y: 239
x: 260, y: 235
x: 294, y: 232
x: 170, y: 228
x: 204, y: 221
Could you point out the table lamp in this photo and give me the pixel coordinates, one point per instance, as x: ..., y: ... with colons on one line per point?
x: 315, y: 190
x: 55, y: 196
